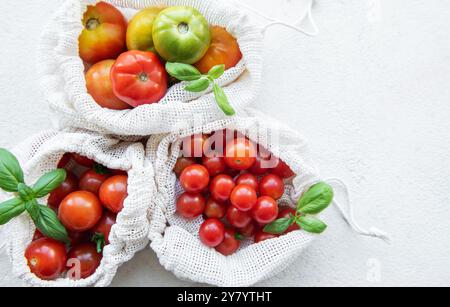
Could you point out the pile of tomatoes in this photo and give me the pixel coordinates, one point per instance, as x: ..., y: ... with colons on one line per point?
x: 233, y: 188
x: 126, y: 61
x: 87, y: 207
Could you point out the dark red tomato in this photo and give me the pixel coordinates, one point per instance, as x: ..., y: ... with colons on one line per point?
x: 240, y: 154
x: 272, y: 186
x: 46, y: 258
x: 248, y: 179
x: 283, y: 170
x: 214, y: 209
x: 230, y: 243
x: 212, y: 232
x: 80, y: 211
x: 69, y: 185
x: 78, y: 237
x: 262, y: 236
x: 113, y: 193
x: 118, y: 172
x: 214, y: 165
x: 181, y: 165
x: 83, y: 161
x: 193, y: 146
x: 37, y: 235
x: 265, y: 210
x: 83, y: 261
x: 190, y: 205
x: 238, y: 218
x: 287, y: 212
x: 64, y: 161
x: 221, y: 187
x: 105, y: 224
x: 264, y: 162
x: 243, y: 197
x: 91, y: 181
x: 249, y: 230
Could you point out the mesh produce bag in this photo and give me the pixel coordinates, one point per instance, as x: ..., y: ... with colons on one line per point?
x: 40, y: 155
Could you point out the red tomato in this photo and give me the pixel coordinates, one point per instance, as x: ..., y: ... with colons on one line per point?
x: 181, y: 165
x: 83, y: 261
x: 99, y: 85
x: 193, y: 146
x: 113, y: 193
x: 249, y: 230
x: 212, y: 232
x: 37, y: 235
x: 264, y: 162
x: 238, y: 218
x: 214, y: 209
x: 230, y: 243
x: 64, y: 161
x: 272, y: 186
x: 262, y: 236
x: 91, y: 181
x: 214, y: 165
x: 105, y: 224
x: 248, y: 179
x: 46, y: 258
x: 243, y: 197
x: 287, y: 212
x: 139, y: 78
x: 283, y: 170
x: 80, y: 211
x: 265, y: 210
x: 118, y: 172
x: 221, y: 187
x: 190, y: 205
x: 194, y: 178
x: 240, y: 154
x: 104, y: 33
x: 83, y: 161
x: 69, y: 185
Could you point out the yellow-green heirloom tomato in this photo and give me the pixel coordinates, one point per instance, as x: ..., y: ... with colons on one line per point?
x: 140, y: 30
x: 181, y: 34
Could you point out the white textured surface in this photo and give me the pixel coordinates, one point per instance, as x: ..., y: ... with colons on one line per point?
x: 373, y: 99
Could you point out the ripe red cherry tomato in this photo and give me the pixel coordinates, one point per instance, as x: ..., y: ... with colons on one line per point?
x: 262, y: 236
x: 250, y: 230
x: 272, y: 186
x: 214, y: 209
x: 265, y: 210
x: 194, y: 178
x: 238, y: 218
x: 240, y: 154
x: 283, y: 170
x: 91, y: 181
x: 139, y: 78
x: 214, y: 165
x: 221, y: 187
x: 83, y: 261
x: 212, y: 232
x: 243, y: 197
x: 230, y: 243
x: 105, y: 224
x: 190, y: 205
x: 82, y: 160
x: 181, y: 165
x: 46, y: 258
x: 80, y: 211
x: 248, y: 179
x: 193, y: 146
x: 264, y: 162
x: 287, y: 212
x: 113, y: 193
x: 69, y: 185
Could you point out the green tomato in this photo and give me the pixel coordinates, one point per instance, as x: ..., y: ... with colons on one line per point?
x: 181, y: 34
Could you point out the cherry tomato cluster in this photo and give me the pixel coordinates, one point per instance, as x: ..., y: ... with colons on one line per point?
x: 232, y: 187
x: 87, y: 206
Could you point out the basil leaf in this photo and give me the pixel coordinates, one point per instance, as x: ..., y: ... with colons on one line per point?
x: 217, y: 71
x: 11, y: 209
x: 47, y: 222
x: 222, y: 101
x: 311, y: 224
x: 316, y: 199
x: 183, y: 72
x: 11, y: 173
x: 279, y: 226
x: 25, y: 192
x: 199, y: 85
x: 49, y: 182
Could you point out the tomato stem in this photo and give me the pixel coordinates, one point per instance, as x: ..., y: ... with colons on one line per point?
x: 92, y: 24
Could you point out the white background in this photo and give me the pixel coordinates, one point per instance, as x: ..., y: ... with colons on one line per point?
x: 372, y: 95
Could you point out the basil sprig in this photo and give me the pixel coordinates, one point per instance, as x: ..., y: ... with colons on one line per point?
x: 313, y: 202
x: 12, y: 180
x: 199, y: 82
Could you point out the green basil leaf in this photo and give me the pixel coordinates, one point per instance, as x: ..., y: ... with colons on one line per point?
x: 25, y: 192
x: 222, y: 101
x: 311, y: 224
x: 47, y: 222
x: 49, y: 182
x: 183, y: 72
x: 11, y: 209
x: 199, y: 85
x: 316, y: 199
x: 217, y: 71
x: 279, y: 226
x: 11, y: 173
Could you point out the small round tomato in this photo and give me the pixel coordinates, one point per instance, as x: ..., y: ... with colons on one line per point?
x: 240, y: 154
x: 99, y: 86
x: 91, y: 181
x: 113, y: 193
x: 249, y: 230
x: 221, y: 187
x: 243, y: 197
x: 272, y: 186
x: 46, y: 258
x: 224, y: 49
x: 230, y: 243
x: 82, y: 160
x: 261, y: 236
x: 64, y: 161
x: 193, y: 146
x: 283, y: 170
x: 190, y: 205
x: 195, y: 178
x: 140, y: 28
x: 264, y: 162
x: 265, y: 211
x: 69, y: 185
x: 104, y: 226
x: 80, y: 211
x: 139, y: 78
x: 214, y: 209
x: 83, y: 261
x: 181, y: 165
x: 214, y: 165
x: 212, y: 232
x: 288, y: 213
x: 104, y: 33
x: 248, y: 179
x: 237, y: 218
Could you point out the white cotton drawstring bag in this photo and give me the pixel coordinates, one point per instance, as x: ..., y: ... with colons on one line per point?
x: 40, y: 155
